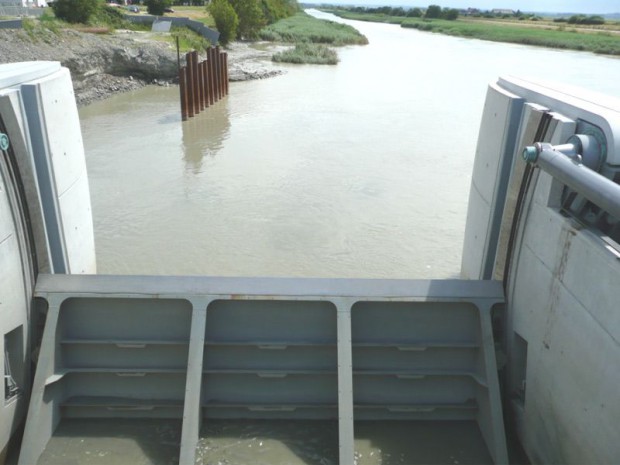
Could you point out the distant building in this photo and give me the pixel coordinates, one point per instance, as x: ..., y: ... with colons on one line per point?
x: 23, y: 3
x: 500, y: 11
x: 469, y: 12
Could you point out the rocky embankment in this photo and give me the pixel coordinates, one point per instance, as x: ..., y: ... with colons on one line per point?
x: 105, y: 64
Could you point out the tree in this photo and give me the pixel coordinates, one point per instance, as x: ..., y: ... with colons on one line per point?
x: 226, y: 20
x: 274, y: 10
x: 157, y: 7
x: 450, y: 14
x: 251, y: 18
x: 415, y: 13
x: 75, y: 11
x: 433, y: 11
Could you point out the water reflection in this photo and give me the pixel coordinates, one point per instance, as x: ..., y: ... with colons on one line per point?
x: 107, y: 441
x: 204, y: 134
x: 268, y: 442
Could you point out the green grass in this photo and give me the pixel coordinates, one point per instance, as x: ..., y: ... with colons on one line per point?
x: 43, y: 31
x: 188, y: 39
x: 110, y: 18
x: 197, y: 13
x: 302, y: 27
x: 370, y: 17
x: 305, y: 53
x: 603, y: 42
x: 552, y: 36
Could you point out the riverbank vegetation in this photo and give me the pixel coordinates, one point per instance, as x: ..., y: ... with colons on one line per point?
x: 271, y: 20
x: 305, y: 28
x: 304, y: 53
x: 245, y: 18
x: 311, y: 37
x: 102, y: 20
x: 579, y: 32
x: 601, y: 42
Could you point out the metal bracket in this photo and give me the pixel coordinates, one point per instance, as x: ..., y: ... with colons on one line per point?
x: 581, y: 148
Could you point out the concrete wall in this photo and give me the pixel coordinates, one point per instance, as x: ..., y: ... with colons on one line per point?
x: 562, y: 321
x: 51, y: 110
x: 208, y: 33
x: 12, y: 10
x: 11, y: 24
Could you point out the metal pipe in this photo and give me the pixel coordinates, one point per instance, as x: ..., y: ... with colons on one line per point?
x: 599, y: 190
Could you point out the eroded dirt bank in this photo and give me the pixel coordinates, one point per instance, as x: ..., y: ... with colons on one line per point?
x: 105, y: 64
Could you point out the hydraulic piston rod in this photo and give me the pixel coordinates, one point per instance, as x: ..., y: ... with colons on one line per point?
x: 565, y: 163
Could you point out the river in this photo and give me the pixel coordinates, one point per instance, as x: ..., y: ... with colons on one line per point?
x: 355, y: 170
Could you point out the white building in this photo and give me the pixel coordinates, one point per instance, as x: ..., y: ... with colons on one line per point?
x: 23, y: 3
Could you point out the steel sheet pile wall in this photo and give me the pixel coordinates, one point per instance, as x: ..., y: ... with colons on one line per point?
x: 202, y: 83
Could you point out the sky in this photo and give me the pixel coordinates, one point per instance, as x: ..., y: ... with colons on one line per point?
x: 550, y: 6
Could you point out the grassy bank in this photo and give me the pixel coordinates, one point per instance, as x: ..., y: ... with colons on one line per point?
x: 369, y: 17
x: 540, y: 34
x: 302, y: 27
x: 597, y: 42
x: 311, y: 37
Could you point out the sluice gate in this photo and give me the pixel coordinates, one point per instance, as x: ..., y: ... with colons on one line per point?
x: 196, y: 349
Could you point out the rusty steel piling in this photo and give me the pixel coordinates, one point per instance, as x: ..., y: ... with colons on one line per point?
x: 189, y: 86
x: 196, y: 82
x: 212, y: 99
x: 205, y: 83
x: 202, y: 83
x: 218, y: 90
x: 183, y: 92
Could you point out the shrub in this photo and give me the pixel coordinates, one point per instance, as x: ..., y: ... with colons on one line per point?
x: 450, y: 14
x: 308, y: 53
x: 226, y: 20
x: 157, y: 7
x: 595, y: 20
x: 589, y: 20
x: 111, y: 17
x: 75, y: 11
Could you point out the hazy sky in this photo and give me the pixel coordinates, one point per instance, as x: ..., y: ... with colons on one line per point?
x: 559, y: 6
